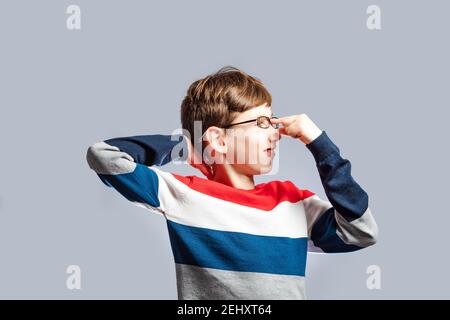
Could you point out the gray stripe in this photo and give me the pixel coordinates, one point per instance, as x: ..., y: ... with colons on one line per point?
x: 196, y: 283
x: 107, y: 159
x: 362, y: 232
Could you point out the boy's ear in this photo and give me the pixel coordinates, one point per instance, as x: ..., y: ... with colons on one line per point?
x: 216, y: 138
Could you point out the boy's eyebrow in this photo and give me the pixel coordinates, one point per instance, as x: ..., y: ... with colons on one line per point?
x: 271, y: 114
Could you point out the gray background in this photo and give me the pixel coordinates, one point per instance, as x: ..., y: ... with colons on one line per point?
x: 380, y: 95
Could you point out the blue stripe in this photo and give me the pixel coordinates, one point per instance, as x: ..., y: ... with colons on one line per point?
x: 237, y: 251
x: 324, y: 236
x: 141, y: 185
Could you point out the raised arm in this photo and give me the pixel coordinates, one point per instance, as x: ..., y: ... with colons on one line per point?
x: 124, y: 163
x: 345, y: 222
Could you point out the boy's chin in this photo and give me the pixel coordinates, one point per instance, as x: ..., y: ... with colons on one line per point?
x: 263, y: 169
x: 254, y: 169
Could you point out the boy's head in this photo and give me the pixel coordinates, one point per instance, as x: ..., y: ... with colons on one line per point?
x: 225, y: 98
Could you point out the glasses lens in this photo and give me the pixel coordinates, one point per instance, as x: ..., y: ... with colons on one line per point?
x: 263, y: 122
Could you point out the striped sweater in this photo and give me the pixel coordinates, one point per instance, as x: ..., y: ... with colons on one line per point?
x: 231, y: 243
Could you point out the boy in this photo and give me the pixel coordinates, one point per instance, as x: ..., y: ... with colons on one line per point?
x: 232, y: 239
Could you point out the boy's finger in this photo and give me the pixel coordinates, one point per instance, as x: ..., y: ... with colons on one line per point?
x: 275, y: 120
x: 283, y: 120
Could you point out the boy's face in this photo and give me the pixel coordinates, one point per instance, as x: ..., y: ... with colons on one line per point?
x: 247, y: 143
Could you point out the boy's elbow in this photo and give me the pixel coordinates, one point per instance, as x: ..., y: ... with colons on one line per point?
x: 362, y: 232
x: 372, y: 238
x: 371, y: 234
x: 104, y: 158
x: 94, y: 157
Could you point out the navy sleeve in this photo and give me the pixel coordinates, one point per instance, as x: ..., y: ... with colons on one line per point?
x: 149, y: 150
x: 344, y: 223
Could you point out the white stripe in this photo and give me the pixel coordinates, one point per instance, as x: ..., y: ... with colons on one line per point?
x: 314, y: 208
x: 193, y: 208
x: 149, y: 207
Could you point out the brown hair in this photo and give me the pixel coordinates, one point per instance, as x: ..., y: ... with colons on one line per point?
x: 215, y: 99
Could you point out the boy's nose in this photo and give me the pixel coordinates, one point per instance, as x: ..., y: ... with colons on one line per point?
x: 275, y: 135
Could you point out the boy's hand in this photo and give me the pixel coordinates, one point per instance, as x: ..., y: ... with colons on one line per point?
x: 298, y: 126
x: 195, y: 160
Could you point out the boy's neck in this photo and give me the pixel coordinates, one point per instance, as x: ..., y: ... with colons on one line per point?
x: 226, y: 174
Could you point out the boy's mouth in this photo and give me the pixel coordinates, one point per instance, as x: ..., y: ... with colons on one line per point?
x: 270, y: 151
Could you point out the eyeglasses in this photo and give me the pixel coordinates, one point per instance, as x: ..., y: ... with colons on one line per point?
x: 262, y: 122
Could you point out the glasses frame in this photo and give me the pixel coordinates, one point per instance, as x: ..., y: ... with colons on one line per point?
x: 275, y: 126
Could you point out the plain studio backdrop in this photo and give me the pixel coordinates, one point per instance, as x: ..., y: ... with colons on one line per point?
x: 381, y: 95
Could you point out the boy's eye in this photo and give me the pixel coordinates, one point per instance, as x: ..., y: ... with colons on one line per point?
x: 263, y: 122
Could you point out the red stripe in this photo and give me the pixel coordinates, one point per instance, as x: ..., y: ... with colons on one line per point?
x: 264, y: 196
